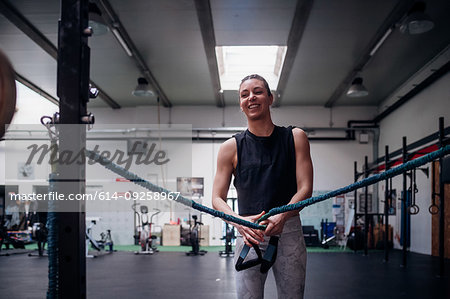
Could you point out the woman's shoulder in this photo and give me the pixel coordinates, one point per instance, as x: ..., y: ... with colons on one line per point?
x: 229, y: 145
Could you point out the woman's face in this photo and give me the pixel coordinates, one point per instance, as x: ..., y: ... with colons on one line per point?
x: 254, y: 99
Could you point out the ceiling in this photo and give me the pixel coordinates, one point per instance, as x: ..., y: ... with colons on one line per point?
x: 173, y: 46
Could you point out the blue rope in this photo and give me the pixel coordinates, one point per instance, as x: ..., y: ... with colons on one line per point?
x: 52, y: 244
x: 363, y: 183
x: 152, y: 187
x: 304, y: 203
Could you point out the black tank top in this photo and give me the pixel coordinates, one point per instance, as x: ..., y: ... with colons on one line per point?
x: 265, y: 175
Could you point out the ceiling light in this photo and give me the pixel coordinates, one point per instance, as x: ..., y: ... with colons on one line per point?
x: 357, y: 89
x: 96, y: 21
x: 417, y: 22
x: 121, y: 41
x: 142, y: 89
x: 380, y: 42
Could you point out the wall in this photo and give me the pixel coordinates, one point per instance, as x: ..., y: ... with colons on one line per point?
x: 416, y: 119
x: 212, y: 117
x: 30, y: 107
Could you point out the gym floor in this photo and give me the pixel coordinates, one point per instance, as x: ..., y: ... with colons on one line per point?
x: 175, y: 275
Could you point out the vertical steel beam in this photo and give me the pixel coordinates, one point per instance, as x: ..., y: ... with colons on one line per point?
x: 441, y: 203
x: 404, y: 206
x: 387, y: 193
x: 355, y: 203
x: 73, y: 92
x: 366, y: 215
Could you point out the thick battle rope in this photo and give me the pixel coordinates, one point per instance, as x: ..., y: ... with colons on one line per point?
x: 154, y: 188
x: 52, y: 226
x: 363, y: 183
x: 304, y: 203
x: 52, y: 244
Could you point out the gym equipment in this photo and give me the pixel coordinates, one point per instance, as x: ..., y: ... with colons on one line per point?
x: 434, y: 208
x: 241, y: 265
x: 229, y: 236
x: 355, y: 240
x: 90, y: 239
x: 145, y: 230
x: 136, y: 226
x: 98, y: 245
x: 38, y: 221
x: 413, y: 209
x: 194, y: 237
x: 16, y: 238
x: 270, y: 255
x: 39, y: 232
x: 265, y: 261
x: 405, y: 226
x: 4, y: 238
x: 328, y: 233
x: 106, y: 240
x: 7, y: 92
x: 13, y: 230
x: 347, y: 229
x: 311, y: 235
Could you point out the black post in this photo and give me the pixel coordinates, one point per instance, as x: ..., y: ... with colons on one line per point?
x: 73, y: 92
x: 355, y: 194
x: 386, y: 207
x: 441, y: 203
x: 366, y: 216
x: 404, y: 206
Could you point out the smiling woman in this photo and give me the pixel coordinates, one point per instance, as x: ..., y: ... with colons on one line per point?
x: 255, y: 99
x: 7, y: 92
x: 271, y: 167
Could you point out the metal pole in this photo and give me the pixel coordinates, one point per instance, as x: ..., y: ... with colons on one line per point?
x: 386, y: 207
x: 73, y: 91
x: 366, y: 216
x: 441, y: 203
x: 404, y: 207
x: 355, y: 205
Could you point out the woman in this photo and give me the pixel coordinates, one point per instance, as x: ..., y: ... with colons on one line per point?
x: 272, y: 167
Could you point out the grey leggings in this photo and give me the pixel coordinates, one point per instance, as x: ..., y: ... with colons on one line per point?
x: 289, y: 269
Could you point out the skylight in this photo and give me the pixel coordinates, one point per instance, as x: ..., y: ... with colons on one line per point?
x: 236, y: 62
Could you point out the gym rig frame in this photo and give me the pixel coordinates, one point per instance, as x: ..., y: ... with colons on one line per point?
x: 406, y: 153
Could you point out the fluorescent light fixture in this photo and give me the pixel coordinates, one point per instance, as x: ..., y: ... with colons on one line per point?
x: 380, y: 42
x: 236, y: 62
x: 121, y: 41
